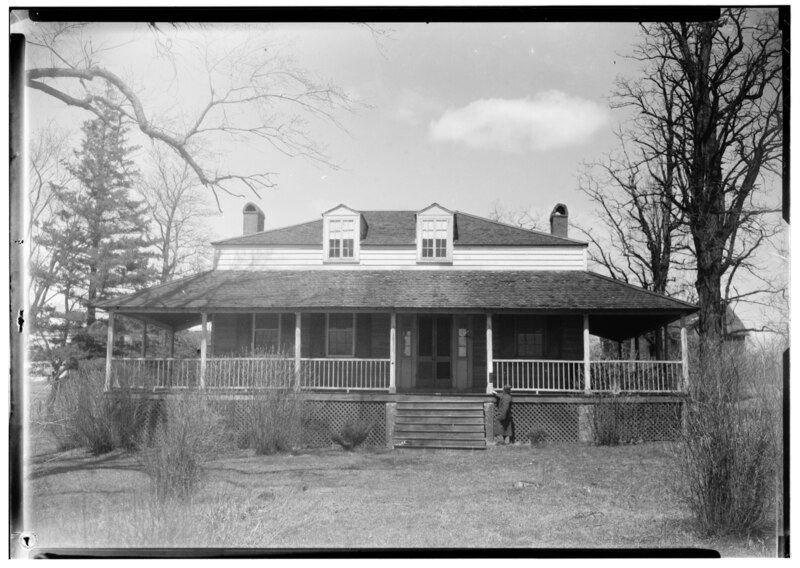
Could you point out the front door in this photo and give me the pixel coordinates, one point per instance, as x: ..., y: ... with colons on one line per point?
x: 434, y: 364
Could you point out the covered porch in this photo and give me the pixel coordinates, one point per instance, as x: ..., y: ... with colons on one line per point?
x: 399, y: 331
x: 398, y: 352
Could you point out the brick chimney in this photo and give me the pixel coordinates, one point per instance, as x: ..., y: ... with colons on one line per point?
x: 253, y: 219
x: 559, y: 221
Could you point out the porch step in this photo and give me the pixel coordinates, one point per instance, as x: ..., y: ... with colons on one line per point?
x: 455, y: 424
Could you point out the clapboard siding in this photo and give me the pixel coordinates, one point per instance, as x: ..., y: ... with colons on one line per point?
x: 372, y: 258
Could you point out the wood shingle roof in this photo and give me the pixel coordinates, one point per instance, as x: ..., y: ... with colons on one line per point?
x: 396, y: 228
x: 579, y: 291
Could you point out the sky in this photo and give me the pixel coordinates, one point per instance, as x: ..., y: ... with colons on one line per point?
x: 468, y: 115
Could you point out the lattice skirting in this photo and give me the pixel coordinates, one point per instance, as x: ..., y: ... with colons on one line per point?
x: 646, y: 421
x: 316, y: 422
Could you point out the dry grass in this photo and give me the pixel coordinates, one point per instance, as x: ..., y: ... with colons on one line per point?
x: 508, y: 496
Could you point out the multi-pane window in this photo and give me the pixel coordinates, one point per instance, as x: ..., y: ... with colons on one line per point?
x: 341, y: 238
x: 530, y: 338
x: 341, y: 333
x: 434, y: 238
x: 266, y: 333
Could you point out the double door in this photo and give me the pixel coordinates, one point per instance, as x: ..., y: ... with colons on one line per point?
x: 434, y: 352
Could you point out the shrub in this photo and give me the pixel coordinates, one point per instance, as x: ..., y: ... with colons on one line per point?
x: 728, y: 455
x: 352, y: 434
x: 607, y: 420
x: 82, y: 415
x: 189, y: 435
x: 274, y: 418
x: 537, y: 436
x: 274, y: 423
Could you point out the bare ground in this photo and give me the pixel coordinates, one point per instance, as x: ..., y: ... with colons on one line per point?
x: 558, y: 496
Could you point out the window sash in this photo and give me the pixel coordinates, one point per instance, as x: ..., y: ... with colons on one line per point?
x: 434, y: 238
x: 340, y: 335
x: 266, y: 333
x: 341, y: 238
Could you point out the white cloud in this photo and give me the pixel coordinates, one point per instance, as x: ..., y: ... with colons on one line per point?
x: 548, y: 120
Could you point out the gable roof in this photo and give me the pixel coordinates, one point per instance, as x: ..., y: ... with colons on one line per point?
x: 394, y: 228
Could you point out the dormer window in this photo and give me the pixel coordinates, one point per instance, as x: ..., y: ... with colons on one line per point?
x: 341, y: 236
x: 434, y: 238
x: 435, y: 235
x: 341, y: 239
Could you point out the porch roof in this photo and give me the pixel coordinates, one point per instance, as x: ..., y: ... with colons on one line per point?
x: 402, y: 290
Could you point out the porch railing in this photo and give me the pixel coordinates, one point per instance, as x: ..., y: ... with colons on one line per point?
x: 250, y: 373
x: 353, y: 374
x: 538, y: 375
x: 139, y: 373
x: 606, y: 376
x: 637, y: 376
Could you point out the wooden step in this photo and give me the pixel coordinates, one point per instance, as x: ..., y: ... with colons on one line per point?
x: 442, y: 445
x: 439, y: 436
x: 433, y: 412
x: 436, y: 419
x: 439, y: 406
x: 438, y: 428
x: 440, y: 424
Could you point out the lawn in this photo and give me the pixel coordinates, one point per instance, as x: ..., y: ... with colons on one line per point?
x: 573, y: 496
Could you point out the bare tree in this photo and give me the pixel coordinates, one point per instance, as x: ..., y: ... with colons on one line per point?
x: 254, y: 95
x: 177, y: 213
x: 46, y: 172
x: 712, y: 94
x: 524, y: 218
x: 642, y: 239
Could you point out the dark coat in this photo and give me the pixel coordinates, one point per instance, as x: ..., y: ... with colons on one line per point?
x: 503, y: 423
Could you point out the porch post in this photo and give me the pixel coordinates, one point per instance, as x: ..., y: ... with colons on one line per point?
x: 684, y: 354
x: 297, y: 350
x: 489, y: 355
x: 587, y: 368
x: 109, y: 350
x: 203, y: 349
x: 171, y: 342
x: 393, y: 354
x: 144, y: 340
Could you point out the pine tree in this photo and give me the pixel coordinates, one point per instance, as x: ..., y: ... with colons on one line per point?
x: 114, y: 252
x: 98, y: 236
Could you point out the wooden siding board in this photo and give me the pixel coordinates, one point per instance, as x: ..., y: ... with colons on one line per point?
x: 540, y: 258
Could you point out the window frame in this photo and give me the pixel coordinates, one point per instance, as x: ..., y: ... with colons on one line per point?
x: 327, y: 336
x: 335, y: 225
x: 253, y: 330
x: 422, y: 221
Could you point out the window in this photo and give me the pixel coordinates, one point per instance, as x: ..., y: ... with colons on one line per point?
x: 341, y: 238
x: 434, y: 239
x: 530, y: 338
x: 341, y: 335
x: 266, y: 333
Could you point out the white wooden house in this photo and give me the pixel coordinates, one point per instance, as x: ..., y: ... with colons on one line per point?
x: 408, y: 314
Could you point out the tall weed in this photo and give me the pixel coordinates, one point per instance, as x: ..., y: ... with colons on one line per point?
x: 727, y: 458
x: 189, y: 435
x: 81, y: 415
x: 274, y: 422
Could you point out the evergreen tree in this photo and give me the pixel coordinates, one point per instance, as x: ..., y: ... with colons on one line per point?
x: 113, y: 252
x: 98, y: 237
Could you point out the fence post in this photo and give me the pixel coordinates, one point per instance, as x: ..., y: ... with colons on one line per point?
x: 203, y: 348
x: 684, y: 354
x: 489, y: 355
x: 297, y: 350
x: 393, y: 354
x: 109, y: 351
x: 587, y: 367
